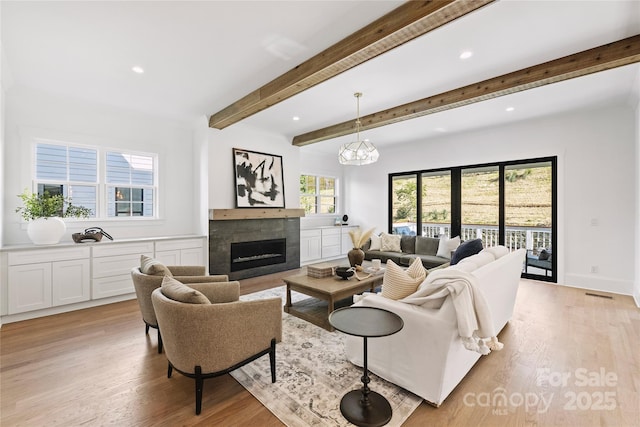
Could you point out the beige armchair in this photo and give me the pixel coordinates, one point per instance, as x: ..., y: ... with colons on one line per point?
x: 205, y: 340
x: 144, y: 284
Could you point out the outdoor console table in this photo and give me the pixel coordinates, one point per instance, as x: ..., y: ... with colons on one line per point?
x: 365, y: 407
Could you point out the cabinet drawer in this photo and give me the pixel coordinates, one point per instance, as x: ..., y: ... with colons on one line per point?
x: 110, y: 249
x: 116, y: 265
x: 330, y: 232
x: 112, y: 286
x: 170, y: 245
x: 47, y: 255
x: 310, y: 233
x: 330, y: 251
x: 332, y: 240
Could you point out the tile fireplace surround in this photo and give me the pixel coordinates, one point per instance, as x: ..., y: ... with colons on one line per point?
x: 227, y: 226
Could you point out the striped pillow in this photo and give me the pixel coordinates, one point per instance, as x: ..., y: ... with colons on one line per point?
x: 398, y: 283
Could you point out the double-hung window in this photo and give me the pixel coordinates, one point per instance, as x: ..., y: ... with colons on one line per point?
x: 110, y: 183
x: 318, y: 194
x: 70, y: 171
x: 130, y: 184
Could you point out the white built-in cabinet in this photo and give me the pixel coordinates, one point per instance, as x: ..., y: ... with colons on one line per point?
x: 47, y: 278
x: 43, y: 278
x: 310, y: 245
x: 324, y: 243
x: 180, y: 252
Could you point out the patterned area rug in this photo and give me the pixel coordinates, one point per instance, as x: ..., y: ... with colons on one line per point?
x: 312, y: 375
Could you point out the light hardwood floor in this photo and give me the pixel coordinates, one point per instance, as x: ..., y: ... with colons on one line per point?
x: 96, y: 367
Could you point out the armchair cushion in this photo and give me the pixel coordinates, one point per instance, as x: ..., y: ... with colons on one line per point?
x: 153, y: 267
x: 177, y: 291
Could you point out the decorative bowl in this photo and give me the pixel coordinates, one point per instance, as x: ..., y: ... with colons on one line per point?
x: 344, y: 272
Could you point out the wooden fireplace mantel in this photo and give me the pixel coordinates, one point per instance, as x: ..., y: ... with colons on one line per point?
x: 252, y: 213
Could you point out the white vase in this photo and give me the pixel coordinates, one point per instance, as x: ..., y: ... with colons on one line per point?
x: 46, y: 231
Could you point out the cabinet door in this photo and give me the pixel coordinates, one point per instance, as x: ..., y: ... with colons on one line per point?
x: 70, y: 282
x: 310, y: 245
x: 29, y: 287
x: 191, y: 256
x: 169, y: 257
x: 330, y: 242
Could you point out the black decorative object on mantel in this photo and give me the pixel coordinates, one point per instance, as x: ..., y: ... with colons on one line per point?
x: 259, y: 179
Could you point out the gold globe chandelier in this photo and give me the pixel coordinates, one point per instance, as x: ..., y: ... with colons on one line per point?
x: 360, y: 152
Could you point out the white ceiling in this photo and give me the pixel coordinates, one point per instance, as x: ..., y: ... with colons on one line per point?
x: 200, y: 56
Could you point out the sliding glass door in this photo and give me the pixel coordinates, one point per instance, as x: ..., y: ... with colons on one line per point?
x: 480, y: 204
x: 528, y: 209
x: 436, y: 203
x: 508, y: 203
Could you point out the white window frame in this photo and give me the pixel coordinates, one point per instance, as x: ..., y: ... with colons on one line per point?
x: 101, y: 210
x: 318, y: 196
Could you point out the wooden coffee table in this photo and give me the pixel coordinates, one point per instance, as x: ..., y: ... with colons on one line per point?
x: 325, y: 292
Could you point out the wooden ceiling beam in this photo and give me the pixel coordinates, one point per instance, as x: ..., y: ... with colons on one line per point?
x: 408, y: 21
x: 605, y: 57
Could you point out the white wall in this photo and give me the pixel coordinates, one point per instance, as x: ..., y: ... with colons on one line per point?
x: 221, y: 163
x: 30, y: 114
x: 596, y: 181
x: 636, y: 290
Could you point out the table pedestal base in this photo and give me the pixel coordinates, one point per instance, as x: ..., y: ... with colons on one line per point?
x: 376, y: 413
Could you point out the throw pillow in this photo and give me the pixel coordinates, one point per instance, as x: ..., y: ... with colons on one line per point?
x: 390, y: 242
x: 398, y: 283
x: 178, y: 291
x: 375, y: 243
x: 427, y: 245
x: 408, y: 244
x: 153, y: 267
x: 543, y: 255
x: 468, y: 248
x: 446, y: 246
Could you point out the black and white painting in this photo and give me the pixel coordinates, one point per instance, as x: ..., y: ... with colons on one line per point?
x: 259, y: 180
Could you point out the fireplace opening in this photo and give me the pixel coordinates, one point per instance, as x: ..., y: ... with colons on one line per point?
x: 245, y: 255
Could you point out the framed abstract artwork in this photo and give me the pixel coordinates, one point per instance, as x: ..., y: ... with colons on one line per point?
x: 259, y: 179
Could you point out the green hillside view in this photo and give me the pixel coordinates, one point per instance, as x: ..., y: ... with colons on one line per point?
x: 527, y: 193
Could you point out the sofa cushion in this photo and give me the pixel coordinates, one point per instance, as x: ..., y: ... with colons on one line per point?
x: 398, y: 283
x: 466, y: 249
x: 408, y: 244
x: 447, y: 245
x: 153, y: 267
x: 427, y: 245
x: 178, y: 291
x: 375, y: 244
x: 497, y: 251
x: 390, y: 242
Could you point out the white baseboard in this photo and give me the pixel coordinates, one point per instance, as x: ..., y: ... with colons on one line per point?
x: 599, y: 283
x: 63, y: 309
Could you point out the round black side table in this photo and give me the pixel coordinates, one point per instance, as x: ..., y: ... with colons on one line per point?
x: 365, y: 407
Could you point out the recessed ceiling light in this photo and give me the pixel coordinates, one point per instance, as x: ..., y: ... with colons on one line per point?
x: 509, y: 109
x: 296, y: 118
x: 137, y: 69
x: 466, y: 54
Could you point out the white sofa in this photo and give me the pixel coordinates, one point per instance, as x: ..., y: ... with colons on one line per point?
x: 427, y: 356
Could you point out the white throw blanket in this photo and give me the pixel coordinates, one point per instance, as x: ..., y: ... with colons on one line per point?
x: 475, y: 324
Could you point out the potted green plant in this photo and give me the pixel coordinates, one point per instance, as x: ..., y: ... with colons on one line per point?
x: 44, y: 212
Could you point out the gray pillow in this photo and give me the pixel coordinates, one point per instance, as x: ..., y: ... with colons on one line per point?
x: 427, y: 245
x: 153, y: 267
x: 178, y: 291
x: 408, y: 244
